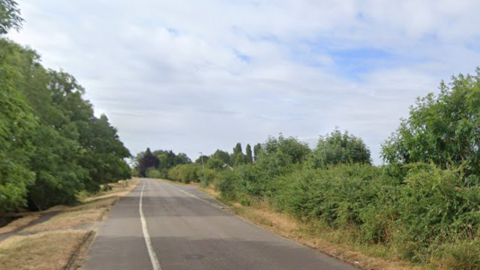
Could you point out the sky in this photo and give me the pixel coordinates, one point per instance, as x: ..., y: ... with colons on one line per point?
x: 196, y: 76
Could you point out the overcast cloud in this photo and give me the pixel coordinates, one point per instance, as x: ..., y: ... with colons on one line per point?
x: 200, y: 75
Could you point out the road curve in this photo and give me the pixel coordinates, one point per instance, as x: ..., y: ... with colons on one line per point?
x: 162, y: 226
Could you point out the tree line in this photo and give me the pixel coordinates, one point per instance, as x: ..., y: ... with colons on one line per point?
x: 52, y: 145
x: 422, y: 205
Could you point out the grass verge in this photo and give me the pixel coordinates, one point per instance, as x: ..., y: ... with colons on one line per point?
x: 50, y: 245
x: 19, y: 223
x: 42, y: 251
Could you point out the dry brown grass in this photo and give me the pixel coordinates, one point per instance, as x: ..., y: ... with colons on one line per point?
x: 210, y: 191
x: 42, y: 251
x: 88, y: 213
x: 69, y: 220
x: 118, y: 190
x: 19, y: 223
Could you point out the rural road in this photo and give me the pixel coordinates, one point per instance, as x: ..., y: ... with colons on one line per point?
x: 162, y: 226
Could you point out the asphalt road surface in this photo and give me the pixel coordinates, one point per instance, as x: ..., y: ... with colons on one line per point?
x: 162, y: 226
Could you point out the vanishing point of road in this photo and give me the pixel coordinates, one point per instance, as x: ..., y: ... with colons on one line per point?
x: 162, y: 226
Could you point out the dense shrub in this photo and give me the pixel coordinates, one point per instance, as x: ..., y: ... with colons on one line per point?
x: 419, y: 216
x: 185, y: 173
x: 153, y: 173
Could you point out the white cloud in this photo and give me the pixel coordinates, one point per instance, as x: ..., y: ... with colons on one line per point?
x: 200, y: 75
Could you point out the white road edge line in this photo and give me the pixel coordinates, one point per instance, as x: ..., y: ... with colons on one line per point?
x: 146, y: 235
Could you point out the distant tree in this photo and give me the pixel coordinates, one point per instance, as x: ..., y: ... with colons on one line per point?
x: 182, y: 158
x: 238, y: 149
x: 215, y: 164
x: 237, y: 157
x: 147, y: 160
x: 9, y: 16
x: 338, y: 148
x: 240, y: 159
x: 203, y: 159
x: 290, y: 150
x: 256, y: 150
x: 249, y: 154
x: 224, y: 156
x: 280, y: 155
x: 443, y: 129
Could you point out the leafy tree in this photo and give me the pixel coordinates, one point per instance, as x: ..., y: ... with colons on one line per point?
x: 238, y: 149
x: 51, y: 143
x: 249, y: 154
x: 16, y: 120
x: 443, y: 129
x: 147, y: 160
x: 215, y: 164
x: 290, y: 150
x: 168, y: 159
x: 182, y: 158
x: 9, y: 16
x: 238, y: 157
x: 337, y: 148
x: 202, y: 160
x: 256, y: 150
x: 224, y: 156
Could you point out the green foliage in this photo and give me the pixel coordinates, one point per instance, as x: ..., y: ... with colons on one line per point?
x: 223, y: 156
x: 416, y: 218
x: 16, y: 121
x: 168, y: 160
x: 9, y: 16
x: 185, y: 173
x: 459, y: 255
x: 207, y: 177
x: 51, y: 144
x: 280, y: 154
x: 443, y: 129
x: 227, y: 185
x: 215, y: 164
x: 434, y: 206
x: 256, y: 150
x: 422, y: 213
x: 201, y: 160
x: 153, y: 173
x: 145, y: 161
x: 249, y: 154
x: 238, y: 158
x: 337, y: 148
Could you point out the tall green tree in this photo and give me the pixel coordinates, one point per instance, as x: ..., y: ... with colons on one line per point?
x: 51, y: 144
x: 238, y: 149
x: 442, y: 128
x: 238, y: 157
x: 16, y: 121
x: 249, y: 153
x: 256, y: 150
x: 337, y: 148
